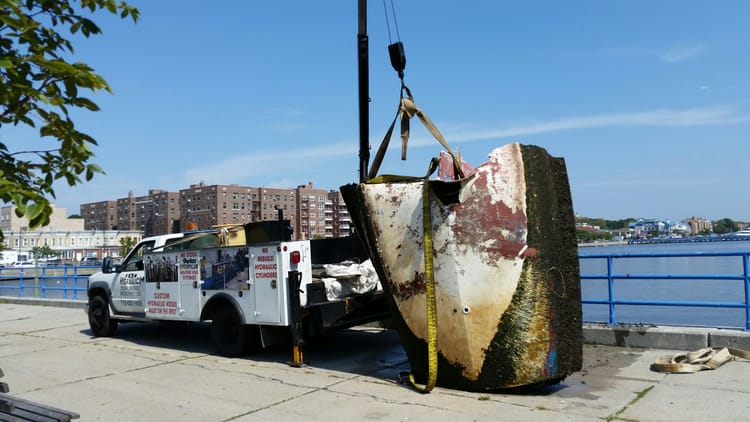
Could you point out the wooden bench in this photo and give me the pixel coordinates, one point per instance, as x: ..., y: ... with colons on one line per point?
x: 17, y: 409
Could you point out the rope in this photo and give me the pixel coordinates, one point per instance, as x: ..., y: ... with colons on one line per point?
x: 706, y: 358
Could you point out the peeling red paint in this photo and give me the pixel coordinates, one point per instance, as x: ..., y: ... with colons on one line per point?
x: 416, y: 286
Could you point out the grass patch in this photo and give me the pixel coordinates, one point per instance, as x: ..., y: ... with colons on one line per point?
x: 639, y: 395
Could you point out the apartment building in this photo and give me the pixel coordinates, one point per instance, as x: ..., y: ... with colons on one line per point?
x: 211, y: 205
x: 699, y: 225
x: 100, y: 215
x: 339, y: 224
x: 312, y: 212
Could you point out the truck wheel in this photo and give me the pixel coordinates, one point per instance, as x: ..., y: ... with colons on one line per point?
x: 228, y: 333
x: 102, y: 325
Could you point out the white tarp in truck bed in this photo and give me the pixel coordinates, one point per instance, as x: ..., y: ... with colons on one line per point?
x: 349, y: 278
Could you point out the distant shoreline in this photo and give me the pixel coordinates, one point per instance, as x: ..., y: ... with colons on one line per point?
x: 602, y: 243
x: 666, y: 240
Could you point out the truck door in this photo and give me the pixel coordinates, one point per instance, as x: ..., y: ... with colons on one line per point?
x: 172, y: 285
x: 268, y: 284
x: 162, y: 286
x: 128, y: 284
x: 189, y: 281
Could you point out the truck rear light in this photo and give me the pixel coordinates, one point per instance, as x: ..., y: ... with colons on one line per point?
x: 296, y: 257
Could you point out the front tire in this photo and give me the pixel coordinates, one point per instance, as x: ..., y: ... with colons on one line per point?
x: 101, y: 323
x: 230, y: 337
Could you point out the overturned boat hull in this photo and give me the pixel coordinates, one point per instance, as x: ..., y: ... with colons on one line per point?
x: 505, y: 268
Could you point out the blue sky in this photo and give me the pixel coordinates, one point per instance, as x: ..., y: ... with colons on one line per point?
x: 648, y: 102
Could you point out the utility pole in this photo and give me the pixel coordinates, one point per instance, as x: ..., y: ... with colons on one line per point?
x: 364, y: 92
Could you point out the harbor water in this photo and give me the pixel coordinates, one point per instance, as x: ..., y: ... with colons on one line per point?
x: 667, y: 290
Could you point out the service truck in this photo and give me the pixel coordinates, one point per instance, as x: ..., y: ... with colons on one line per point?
x: 256, y: 292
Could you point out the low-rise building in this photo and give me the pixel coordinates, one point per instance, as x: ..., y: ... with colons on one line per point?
x: 65, y: 236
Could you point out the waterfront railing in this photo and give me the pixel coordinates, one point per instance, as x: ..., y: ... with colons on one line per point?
x: 64, y: 282
x: 697, y: 286
x: 620, y: 272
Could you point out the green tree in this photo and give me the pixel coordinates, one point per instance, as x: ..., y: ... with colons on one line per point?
x: 588, y: 236
x: 40, y: 87
x: 43, y: 252
x: 126, y: 245
x: 605, y: 224
x: 725, y: 225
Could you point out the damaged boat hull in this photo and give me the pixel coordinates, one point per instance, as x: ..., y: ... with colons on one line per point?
x: 505, y: 268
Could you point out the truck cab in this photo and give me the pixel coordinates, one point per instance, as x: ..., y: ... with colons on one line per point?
x: 118, y: 289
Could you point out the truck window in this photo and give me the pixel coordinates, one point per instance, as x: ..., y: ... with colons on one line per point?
x: 134, y: 261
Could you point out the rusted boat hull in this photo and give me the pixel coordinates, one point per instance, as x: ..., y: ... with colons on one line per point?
x: 505, y: 268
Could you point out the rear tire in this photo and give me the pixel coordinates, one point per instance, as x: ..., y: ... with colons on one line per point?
x: 230, y: 337
x: 101, y: 323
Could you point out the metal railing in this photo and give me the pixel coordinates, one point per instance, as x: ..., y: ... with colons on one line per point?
x: 64, y: 282
x: 611, y: 276
x: 71, y: 282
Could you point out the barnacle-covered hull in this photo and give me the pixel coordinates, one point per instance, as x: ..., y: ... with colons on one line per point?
x: 505, y: 268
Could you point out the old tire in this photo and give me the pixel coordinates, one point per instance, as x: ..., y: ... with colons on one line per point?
x: 101, y: 323
x: 230, y: 337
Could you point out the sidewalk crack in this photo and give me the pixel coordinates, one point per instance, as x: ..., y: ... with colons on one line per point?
x: 639, y: 395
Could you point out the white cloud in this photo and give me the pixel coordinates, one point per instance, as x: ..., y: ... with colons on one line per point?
x: 265, y: 163
x: 678, y: 54
x: 287, y: 163
x: 681, y: 118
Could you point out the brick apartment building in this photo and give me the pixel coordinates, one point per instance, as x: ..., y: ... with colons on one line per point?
x: 311, y: 212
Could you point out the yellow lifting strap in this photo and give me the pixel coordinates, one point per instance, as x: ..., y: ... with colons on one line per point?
x: 432, y: 354
x: 432, y: 358
x: 706, y: 358
x: 408, y: 109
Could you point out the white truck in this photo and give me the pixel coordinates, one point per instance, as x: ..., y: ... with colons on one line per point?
x: 256, y: 292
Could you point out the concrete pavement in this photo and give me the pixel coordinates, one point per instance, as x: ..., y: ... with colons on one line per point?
x: 166, y: 372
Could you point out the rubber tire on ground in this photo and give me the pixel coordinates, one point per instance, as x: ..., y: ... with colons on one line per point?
x: 230, y: 337
x: 101, y: 323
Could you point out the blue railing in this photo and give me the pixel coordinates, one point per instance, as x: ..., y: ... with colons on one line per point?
x: 723, y: 295
x: 65, y: 282
x: 609, y: 280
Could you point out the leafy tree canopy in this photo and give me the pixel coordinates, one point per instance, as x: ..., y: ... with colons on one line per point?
x: 725, y: 225
x: 43, y: 251
x: 606, y: 224
x: 39, y: 88
x: 126, y: 245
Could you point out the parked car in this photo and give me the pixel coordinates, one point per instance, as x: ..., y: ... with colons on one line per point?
x: 24, y: 264
x: 91, y: 261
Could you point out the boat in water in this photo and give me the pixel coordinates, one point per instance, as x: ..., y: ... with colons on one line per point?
x: 498, y: 293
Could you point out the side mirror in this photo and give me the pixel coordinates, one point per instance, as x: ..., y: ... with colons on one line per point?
x: 107, y: 264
